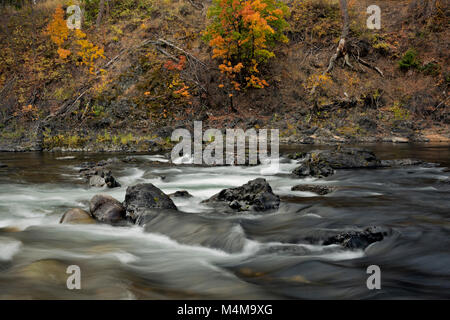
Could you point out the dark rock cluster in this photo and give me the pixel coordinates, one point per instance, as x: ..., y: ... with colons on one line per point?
x: 256, y: 195
x: 97, y: 174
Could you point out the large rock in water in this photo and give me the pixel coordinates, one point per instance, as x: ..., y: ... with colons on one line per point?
x: 77, y: 216
x: 322, y: 163
x: 105, y: 208
x: 346, y: 158
x: 143, y: 197
x: 256, y: 195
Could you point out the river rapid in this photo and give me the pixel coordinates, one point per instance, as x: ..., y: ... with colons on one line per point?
x: 205, y: 254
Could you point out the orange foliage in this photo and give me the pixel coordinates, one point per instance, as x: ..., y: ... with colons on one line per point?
x: 242, y: 33
x: 63, y: 53
x: 61, y: 35
x: 170, y: 65
x: 57, y: 28
x: 29, y: 112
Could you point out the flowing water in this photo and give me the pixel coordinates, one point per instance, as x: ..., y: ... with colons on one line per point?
x: 204, y: 254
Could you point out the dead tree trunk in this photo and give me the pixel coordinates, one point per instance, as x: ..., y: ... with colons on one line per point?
x: 344, y: 50
x: 341, y: 50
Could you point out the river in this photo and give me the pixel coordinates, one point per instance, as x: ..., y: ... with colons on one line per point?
x: 204, y: 254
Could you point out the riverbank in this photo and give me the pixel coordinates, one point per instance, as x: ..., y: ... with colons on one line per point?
x: 160, y: 140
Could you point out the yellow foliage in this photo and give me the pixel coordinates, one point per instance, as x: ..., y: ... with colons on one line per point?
x: 322, y: 81
x: 88, y: 51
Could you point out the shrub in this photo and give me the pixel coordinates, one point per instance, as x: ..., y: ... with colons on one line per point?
x: 409, y: 60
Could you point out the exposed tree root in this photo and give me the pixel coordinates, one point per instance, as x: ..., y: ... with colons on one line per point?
x: 344, y: 49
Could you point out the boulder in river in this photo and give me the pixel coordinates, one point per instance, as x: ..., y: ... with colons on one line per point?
x: 97, y: 175
x: 105, y: 208
x: 320, y: 190
x: 96, y: 181
x: 313, y: 169
x: 358, y: 239
x: 103, y: 178
x: 322, y: 163
x: 256, y: 195
x: 346, y: 158
x: 77, y: 216
x: 110, y: 181
x: 144, y: 196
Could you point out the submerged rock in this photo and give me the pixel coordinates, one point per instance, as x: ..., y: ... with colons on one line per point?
x: 105, y: 208
x: 320, y: 190
x: 2, y: 165
x: 141, y: 197
x: 181, y: 194
x: 256, y: 195
x: 77, y: 216
x: 194, y: 229
x: 358, y: 239
x: 401, y: 163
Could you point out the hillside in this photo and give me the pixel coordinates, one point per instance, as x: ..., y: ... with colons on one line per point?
x: 126, y: 81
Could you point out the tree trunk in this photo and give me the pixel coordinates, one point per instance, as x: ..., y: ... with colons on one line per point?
x: 341, y: 49
x: 345, y: 19
x: 100, y: 13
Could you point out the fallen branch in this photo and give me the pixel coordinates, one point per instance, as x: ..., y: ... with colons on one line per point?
x: 187, y: 54
x: 195, y: 5
x: 365, y: 63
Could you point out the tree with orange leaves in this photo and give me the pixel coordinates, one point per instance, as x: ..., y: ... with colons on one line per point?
x: 242, y: 34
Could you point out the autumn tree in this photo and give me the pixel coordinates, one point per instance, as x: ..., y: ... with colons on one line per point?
x: 243, y: 34
x: 62, y: 37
